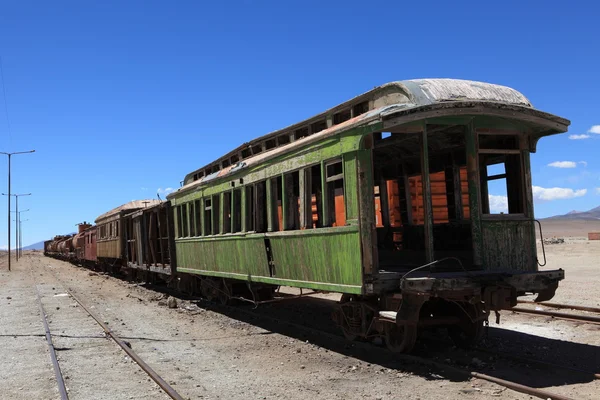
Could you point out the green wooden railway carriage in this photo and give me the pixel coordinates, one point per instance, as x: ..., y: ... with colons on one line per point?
x: 389, y: 198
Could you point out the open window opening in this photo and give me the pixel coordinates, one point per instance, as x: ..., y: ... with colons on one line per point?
x: 501, y: 175
x: 336, y: 208
x: 198, y: 217
x: 216, y: 214
x: 250, y: 208
x: 226, y: 228
x: 291, y: 207
x: 184, y: 219
x: 236, y: 222
x: 261, y: 206
x: 399, y: 198
x: 276, y: 204
x: 208, y: 226
x: 316, y: 198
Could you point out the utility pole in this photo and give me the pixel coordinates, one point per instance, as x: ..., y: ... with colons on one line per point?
x: 17, y: 222
x: 9, y: 155
x: 20, y: 244
x: 21, y: 235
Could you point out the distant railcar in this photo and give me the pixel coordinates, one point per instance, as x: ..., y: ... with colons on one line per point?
x: 149, y: 239
x: 110, y: 240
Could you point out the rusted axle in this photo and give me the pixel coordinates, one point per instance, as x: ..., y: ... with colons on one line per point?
x: 570, y: 317
x: 564, y: 306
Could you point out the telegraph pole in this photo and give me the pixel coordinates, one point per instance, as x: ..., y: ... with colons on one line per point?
x: 9, y: 155
x: 21, y: 235
x: 17, y: 222
x: 20, y: 243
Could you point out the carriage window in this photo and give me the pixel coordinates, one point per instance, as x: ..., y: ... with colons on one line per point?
x: 249, y: 208
x: 260, y: 206
x: 226, y: 228
x: 192, y: 221
x: 110, y: 225
x: 177, y: 211
x: 501, y: 184
x: 276, y: 206
x: 197, y: 217
x: 336, y: 210
x: 117, y: 228
x: 291, y: 208
x: 216, y: 212
x: 208, y: 217
x: 316, y: 198
x: 184, y: 219
x: 237, y: 211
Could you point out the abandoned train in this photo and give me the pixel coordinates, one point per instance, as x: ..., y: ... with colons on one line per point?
x: 384, y: 199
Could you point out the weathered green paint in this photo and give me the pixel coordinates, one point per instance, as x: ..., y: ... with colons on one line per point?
x: 276, y: 281
x: 351, y: 188
x: 471, y: 147
x: 366, y: 210
x: 326, y: 256
x: 507, y: 244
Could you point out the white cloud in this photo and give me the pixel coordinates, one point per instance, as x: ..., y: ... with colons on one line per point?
x: 498, y: 204
x: 556, y: 193
x: 584, y: 163
x: 595, y: 129
x: 144, y: 189
x: 578, y: 137
x: 598, y: 190
x: 563, y: 164
x: 165, y: 191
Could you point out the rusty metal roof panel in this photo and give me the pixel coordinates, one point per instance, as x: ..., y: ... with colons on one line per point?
x: 429, y: 91
x: 131, y: 206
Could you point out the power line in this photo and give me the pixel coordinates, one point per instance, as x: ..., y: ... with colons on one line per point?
x: 5, y: 103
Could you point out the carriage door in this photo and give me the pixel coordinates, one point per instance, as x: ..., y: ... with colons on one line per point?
x: 507, y: 227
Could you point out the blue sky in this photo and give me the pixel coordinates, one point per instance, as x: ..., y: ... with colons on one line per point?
x: 120, y: 98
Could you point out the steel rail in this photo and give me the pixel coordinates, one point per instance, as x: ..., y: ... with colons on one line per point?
x: 155, y: 377
x: 569, y: 317
x: 563, y: 306
x: 539, y: 393
x: 57, y: 372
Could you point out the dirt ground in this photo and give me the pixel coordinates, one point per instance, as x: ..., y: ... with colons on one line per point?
x: 210, y: 352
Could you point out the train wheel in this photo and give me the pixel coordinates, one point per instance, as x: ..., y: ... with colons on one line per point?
x: 350, y: 316
x: 223, y: 295
x: 400, y: 339
x: 470, y: 329
x: 210, y: 288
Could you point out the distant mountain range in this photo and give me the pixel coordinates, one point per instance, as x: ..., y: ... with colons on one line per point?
x: 35, y: 246
x: 591, y: 215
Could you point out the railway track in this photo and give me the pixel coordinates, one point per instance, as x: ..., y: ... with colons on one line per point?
x: 411, y: 359
x: 540, y: 393
x: 125, y: 346
x: 591, y: 319
x: 408, y: 358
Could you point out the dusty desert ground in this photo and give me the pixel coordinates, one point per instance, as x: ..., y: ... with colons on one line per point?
x: 209, y: 352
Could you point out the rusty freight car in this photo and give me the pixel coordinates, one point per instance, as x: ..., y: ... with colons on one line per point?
x: 389, y: 199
